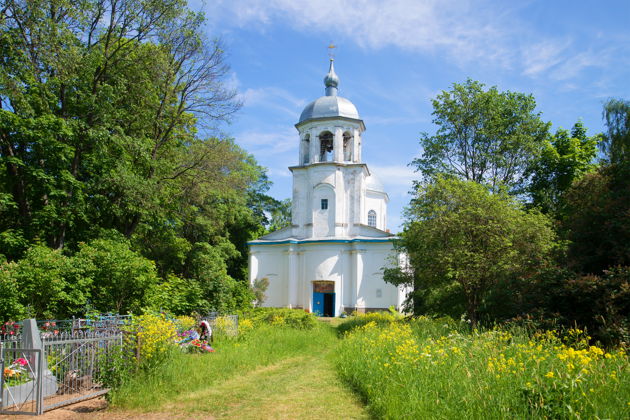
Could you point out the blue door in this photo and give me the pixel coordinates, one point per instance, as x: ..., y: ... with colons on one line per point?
x: 318, y: 304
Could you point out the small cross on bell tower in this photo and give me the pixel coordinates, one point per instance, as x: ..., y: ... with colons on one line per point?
x: 331, y: 51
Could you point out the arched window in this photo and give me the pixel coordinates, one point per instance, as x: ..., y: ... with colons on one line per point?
x: 372, y: 218
x: 347, y: 147
x: 326, y: 146
x: 306, y: 150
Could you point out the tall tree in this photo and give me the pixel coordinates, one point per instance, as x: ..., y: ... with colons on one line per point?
x: 102, y: 93
x: 617, y: 142
x: 565, y: 158
x: 108, y: 120
x: 485, y: 136
x: 461, y: 241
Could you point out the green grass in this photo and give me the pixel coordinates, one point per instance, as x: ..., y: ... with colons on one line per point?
x: 276, y: 372
x: 427, y: 369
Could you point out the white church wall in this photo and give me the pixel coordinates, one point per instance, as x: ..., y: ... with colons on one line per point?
x: 323, y: 219
x: 373, y: 291
x: 375, y: 201
x: 271, y: 262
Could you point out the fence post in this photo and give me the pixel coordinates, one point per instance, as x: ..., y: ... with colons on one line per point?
x: 1, y: 375
x: 40, y: 383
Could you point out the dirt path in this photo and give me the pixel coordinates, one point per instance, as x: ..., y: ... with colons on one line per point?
x: 301, y: 387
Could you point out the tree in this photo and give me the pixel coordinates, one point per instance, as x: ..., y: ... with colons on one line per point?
x: 120, y: 277
x: 485, y: 136
x: 565, y: 158
x: 462, y: 240
x: 108, y: 116
x: 102, y: 102
x: 617, y: 141
x: 597, y: 220
x: 280, y: 215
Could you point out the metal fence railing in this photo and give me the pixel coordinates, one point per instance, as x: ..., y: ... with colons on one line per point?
x: 71, y: 362
x: 75, y: 364
x: 20, y: 382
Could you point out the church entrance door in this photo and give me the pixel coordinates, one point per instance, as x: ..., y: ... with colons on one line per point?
x: 324, y: 298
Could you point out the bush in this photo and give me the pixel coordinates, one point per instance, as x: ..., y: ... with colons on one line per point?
x: 51, y: 284
x: 358, y: 320
x: 120, y: 276
x: 293, y: 318
x: 151, y: 337
x: 10, y: 303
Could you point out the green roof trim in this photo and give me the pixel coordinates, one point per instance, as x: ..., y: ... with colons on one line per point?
x: 319, y: 241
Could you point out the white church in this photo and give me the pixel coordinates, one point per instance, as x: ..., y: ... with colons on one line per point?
x: 331, y: 259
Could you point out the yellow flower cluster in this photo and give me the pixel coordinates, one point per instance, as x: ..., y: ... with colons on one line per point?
x: 245, y: 326
x: 544, y: 373
x: 155, y: 333
x: 185, y: 322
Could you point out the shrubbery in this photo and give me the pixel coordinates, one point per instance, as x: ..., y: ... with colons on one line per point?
x: 293, y: 318
x: 107, y: 275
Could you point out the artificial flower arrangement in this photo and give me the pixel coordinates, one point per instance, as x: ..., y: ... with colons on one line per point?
x: 49, y: 329
x: 191, y: 343
x: 16, y: 373
x: 10, y: 328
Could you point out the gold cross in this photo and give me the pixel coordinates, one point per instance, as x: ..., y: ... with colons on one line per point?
x: 331, y: 50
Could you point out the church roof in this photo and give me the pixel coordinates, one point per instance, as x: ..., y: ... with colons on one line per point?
x: 330, y: 105
x: 374, y: 184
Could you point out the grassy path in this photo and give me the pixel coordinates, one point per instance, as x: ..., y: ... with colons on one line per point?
x: 273, y: 374
x: 301, y: 387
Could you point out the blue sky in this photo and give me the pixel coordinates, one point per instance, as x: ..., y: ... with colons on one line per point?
x: 393, y: 57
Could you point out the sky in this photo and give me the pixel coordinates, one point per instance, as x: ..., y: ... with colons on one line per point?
x: 393, y: 57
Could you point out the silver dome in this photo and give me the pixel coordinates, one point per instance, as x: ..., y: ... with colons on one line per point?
x: 329, y: 106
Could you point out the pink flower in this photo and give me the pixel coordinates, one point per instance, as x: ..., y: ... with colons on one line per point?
x: 21, y: 361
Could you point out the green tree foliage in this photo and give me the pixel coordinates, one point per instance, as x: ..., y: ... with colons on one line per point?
x: 259, y: 288
x: 107, y: 110
x: 565, y: 158
x: 597, y: 223
x: 617, y: 141
x: 280, y: 213
x: 485, y: 136
x: 177, y: 296
x: 50, y: 284
x: 462, y: 241
x: 11, y: 306
x: 120, y: 277
x: 597, y: 220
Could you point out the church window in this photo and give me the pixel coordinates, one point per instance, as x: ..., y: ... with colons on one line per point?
x: 324, y: 204
x: 372, y: 218
x: 347, y: 147
x: 326, y: 146
x: 307, y: 149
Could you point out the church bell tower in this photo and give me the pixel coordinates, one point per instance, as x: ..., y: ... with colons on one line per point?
x: 332, y: 187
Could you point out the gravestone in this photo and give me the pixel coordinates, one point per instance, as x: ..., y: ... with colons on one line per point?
x: 31, y: 339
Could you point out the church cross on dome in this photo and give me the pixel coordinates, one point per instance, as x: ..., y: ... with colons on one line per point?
x: 331, y: 80
x: 331, y: 51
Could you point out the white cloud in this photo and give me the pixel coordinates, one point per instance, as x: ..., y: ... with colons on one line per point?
x: 572, y: 66
x: 275, y: 97
x: 397, y: 179
x: 540, y: 57
x: 273, y: 142
x: 463, y: 29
